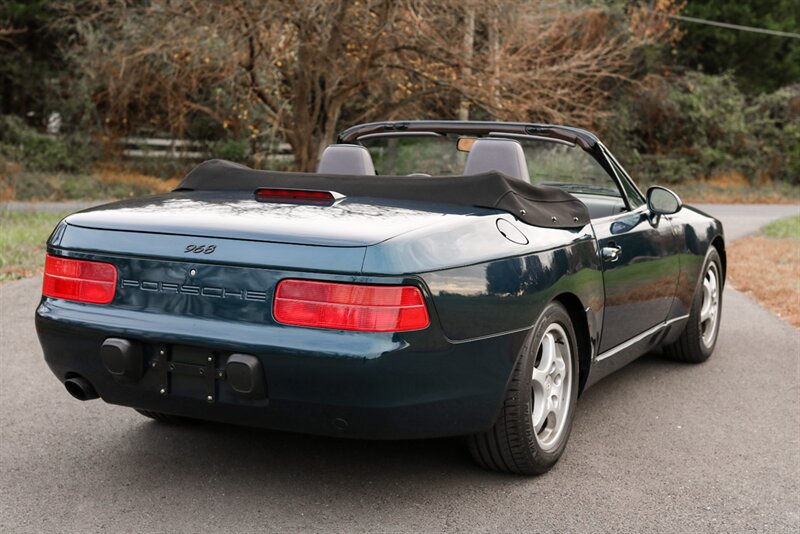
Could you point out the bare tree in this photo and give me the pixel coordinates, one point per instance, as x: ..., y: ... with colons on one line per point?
x: 468, y: 54
x: 298, y: 68
x: 548, y: 63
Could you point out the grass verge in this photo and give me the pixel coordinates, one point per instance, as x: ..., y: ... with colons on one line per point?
x: 103, y: 182
x: 788, y: 228
x: 767, y: 267
x: 23, y: 237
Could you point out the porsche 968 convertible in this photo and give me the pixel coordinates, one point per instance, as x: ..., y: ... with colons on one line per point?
x: 431, y: 279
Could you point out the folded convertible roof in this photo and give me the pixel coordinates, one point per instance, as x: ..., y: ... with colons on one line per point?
x: 537, y: 205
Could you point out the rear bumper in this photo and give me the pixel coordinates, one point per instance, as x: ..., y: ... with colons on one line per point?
x: 374, y: 386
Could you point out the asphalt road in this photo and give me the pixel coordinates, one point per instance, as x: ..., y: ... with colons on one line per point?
x: 659, y: 446
x: 742, y: 219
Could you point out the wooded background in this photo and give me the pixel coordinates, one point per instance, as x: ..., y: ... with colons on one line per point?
x: 675, y: 100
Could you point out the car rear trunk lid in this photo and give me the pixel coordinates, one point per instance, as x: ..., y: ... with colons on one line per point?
x: 349, y: 222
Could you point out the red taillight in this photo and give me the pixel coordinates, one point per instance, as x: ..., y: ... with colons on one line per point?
x: 350, y: 306
x: 296, y: 196
x: 81, y: 280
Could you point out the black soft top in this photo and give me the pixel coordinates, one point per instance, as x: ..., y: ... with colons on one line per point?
x: 545, y: 206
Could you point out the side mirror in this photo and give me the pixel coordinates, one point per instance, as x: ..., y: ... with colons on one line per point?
x: 662, y: 201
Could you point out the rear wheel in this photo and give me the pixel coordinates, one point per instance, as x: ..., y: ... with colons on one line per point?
x: 534, y: 424
x: 699, y: 337
x: 165, y: 417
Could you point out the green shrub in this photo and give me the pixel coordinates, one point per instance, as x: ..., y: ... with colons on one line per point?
x: 37, y: 186
x: 672, y: 129
x: 775, y: 121
x: 32, y: 185
x: 161, y: 167
x: 40, y: 152
x: 79, y: 186
x: 237, y: 150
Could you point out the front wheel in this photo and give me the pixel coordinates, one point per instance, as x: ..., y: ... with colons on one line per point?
x: 699, y: 337
x: 534, y: 424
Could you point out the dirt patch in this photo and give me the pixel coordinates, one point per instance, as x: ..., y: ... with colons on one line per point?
x: 104, y: 182
x: 734, y: 188
x: 769, y: 270
x: 116, y: 175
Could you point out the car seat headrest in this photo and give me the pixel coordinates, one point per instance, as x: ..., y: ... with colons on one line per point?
x: 346, y: 159
x: 496, y: 154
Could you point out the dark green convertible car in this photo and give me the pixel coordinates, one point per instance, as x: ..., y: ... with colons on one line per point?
x: 432, y: 279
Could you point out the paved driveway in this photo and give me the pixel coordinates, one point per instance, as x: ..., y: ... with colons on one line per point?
x: 742, y: 219
x: 659, y: 446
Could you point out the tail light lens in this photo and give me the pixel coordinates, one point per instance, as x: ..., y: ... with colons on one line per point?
x: 79, y: 280
x: 350, y: 306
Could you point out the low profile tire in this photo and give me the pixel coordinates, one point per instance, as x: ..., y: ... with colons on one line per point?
x: 699, y: 337
x: 165, y: 417
x: 534, y: 424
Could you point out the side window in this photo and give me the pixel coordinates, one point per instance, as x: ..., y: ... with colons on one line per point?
x: 568, y: 167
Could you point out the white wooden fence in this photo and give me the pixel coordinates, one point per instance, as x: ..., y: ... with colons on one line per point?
x: 154, y: 147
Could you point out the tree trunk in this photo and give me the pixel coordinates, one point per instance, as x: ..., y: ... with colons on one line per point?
x: 494, y: 62
x: 330, y: 128
x: 302, y: 127
x: 302, y: 149
x: 466, y: 69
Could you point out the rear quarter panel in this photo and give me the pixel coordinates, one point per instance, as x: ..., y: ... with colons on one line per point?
x: 483, y: 283
x: 491, y: 299
x: 509, y: 294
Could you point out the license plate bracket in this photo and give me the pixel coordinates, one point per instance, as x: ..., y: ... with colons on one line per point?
x: 188, y: 371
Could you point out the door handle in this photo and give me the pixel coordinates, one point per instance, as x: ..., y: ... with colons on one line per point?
x: 611, y: 253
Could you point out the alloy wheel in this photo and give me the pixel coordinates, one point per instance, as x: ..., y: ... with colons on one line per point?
x: 709, y: 311
x: 551, y: 387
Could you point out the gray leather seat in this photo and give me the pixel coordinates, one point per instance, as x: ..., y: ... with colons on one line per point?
x: 346, y: 159
x: 501, y: 155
